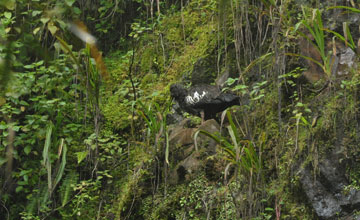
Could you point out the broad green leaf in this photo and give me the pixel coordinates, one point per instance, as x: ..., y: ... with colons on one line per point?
x: 9, y: 4
x: 7, y: 14
x: 230, y: 81
x: 62, y: 24
x: 2, y: 161
x: 240, y: 87
x: 22, y: 102
x: 52, y: 28
x: 30, y: 66
x: 304, y: 120
x: 70, y: 2
x: 27, y: 150
x: 81, y: 156
x: 19, y: 189
x: 44, y: 20
x: 41, y: 62
x: 77, y: 10
x: 36, y: 30
x: 34, y: 13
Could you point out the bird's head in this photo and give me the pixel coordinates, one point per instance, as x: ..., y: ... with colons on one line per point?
x: 178, y: 92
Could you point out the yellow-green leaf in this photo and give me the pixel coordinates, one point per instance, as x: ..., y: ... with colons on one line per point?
x: 27, y: 150
x: 52, y: 28
x: 36, y: 30
x: 36, y: 12
x: 9, y: 4
x: 70, y: 2
x: 17, y: 29
x: 2, y: 101
x: 81, y: 156
x: 44, y: 20
x: 7, y: 14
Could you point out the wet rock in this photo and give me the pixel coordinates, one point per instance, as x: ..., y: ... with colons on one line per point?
x: 346, y: 62
x: 181, y: 141
x: 204, y: 71
x: 185, y: 159
x: 175, y: 116
x: 202, y: 140
x: 323, y: 202
x: 222, y: 78
x: 186, y: 168
x: 182, y: 137
x: 192, y: 163
x: 329, y: 193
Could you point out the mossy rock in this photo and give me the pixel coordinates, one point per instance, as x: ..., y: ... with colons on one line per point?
x: 117, y: 113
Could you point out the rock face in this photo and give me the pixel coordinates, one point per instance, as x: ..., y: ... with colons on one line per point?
x: 329, y: 190
x: 329, y: 193
x: 204, y: 71
x: 186, y: 159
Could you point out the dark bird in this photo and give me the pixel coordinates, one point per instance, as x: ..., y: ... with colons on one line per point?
x: 203, y: 100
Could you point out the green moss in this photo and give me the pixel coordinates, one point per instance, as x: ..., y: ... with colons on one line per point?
x: 148, y: 80
x: 117, y: 112
x: 159, y: 207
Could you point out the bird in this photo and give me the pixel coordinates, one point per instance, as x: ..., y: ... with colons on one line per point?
x: 203, y: 100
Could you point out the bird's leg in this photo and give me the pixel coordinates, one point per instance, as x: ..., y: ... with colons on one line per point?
x: 202, y: 116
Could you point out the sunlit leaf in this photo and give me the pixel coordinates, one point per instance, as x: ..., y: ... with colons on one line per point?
x: 16, y: 128
x: 9, y: 4
x: 36, y: 30
x: 81, y: 156
x: 34, y: 13
x: 29, y: 66
x: 44, y: 20
x: 52, y: 28
x: 19, y: 189
x: 7, y: 14
x: 27, y: 150
x: 70, y: 2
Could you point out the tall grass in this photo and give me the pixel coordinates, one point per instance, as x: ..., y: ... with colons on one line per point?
x: 315, y: 28
x: 241, y: 153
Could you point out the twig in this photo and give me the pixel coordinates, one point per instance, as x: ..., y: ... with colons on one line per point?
x: 130, y: 73
x: 7, y: 211
x: 98, y: 217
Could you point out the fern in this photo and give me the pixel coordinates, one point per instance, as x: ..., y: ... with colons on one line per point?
x: 32, y: 204
x: 66, y: 188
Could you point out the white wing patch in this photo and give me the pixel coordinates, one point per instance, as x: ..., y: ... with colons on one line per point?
x: 195, y: 98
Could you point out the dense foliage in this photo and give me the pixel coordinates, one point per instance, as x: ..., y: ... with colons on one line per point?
x: 79, y: 140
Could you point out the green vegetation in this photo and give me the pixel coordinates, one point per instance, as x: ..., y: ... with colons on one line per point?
x: 86, y: 135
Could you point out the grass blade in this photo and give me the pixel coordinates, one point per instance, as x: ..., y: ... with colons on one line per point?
x: 345, y: 7
x: 62, y: 165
